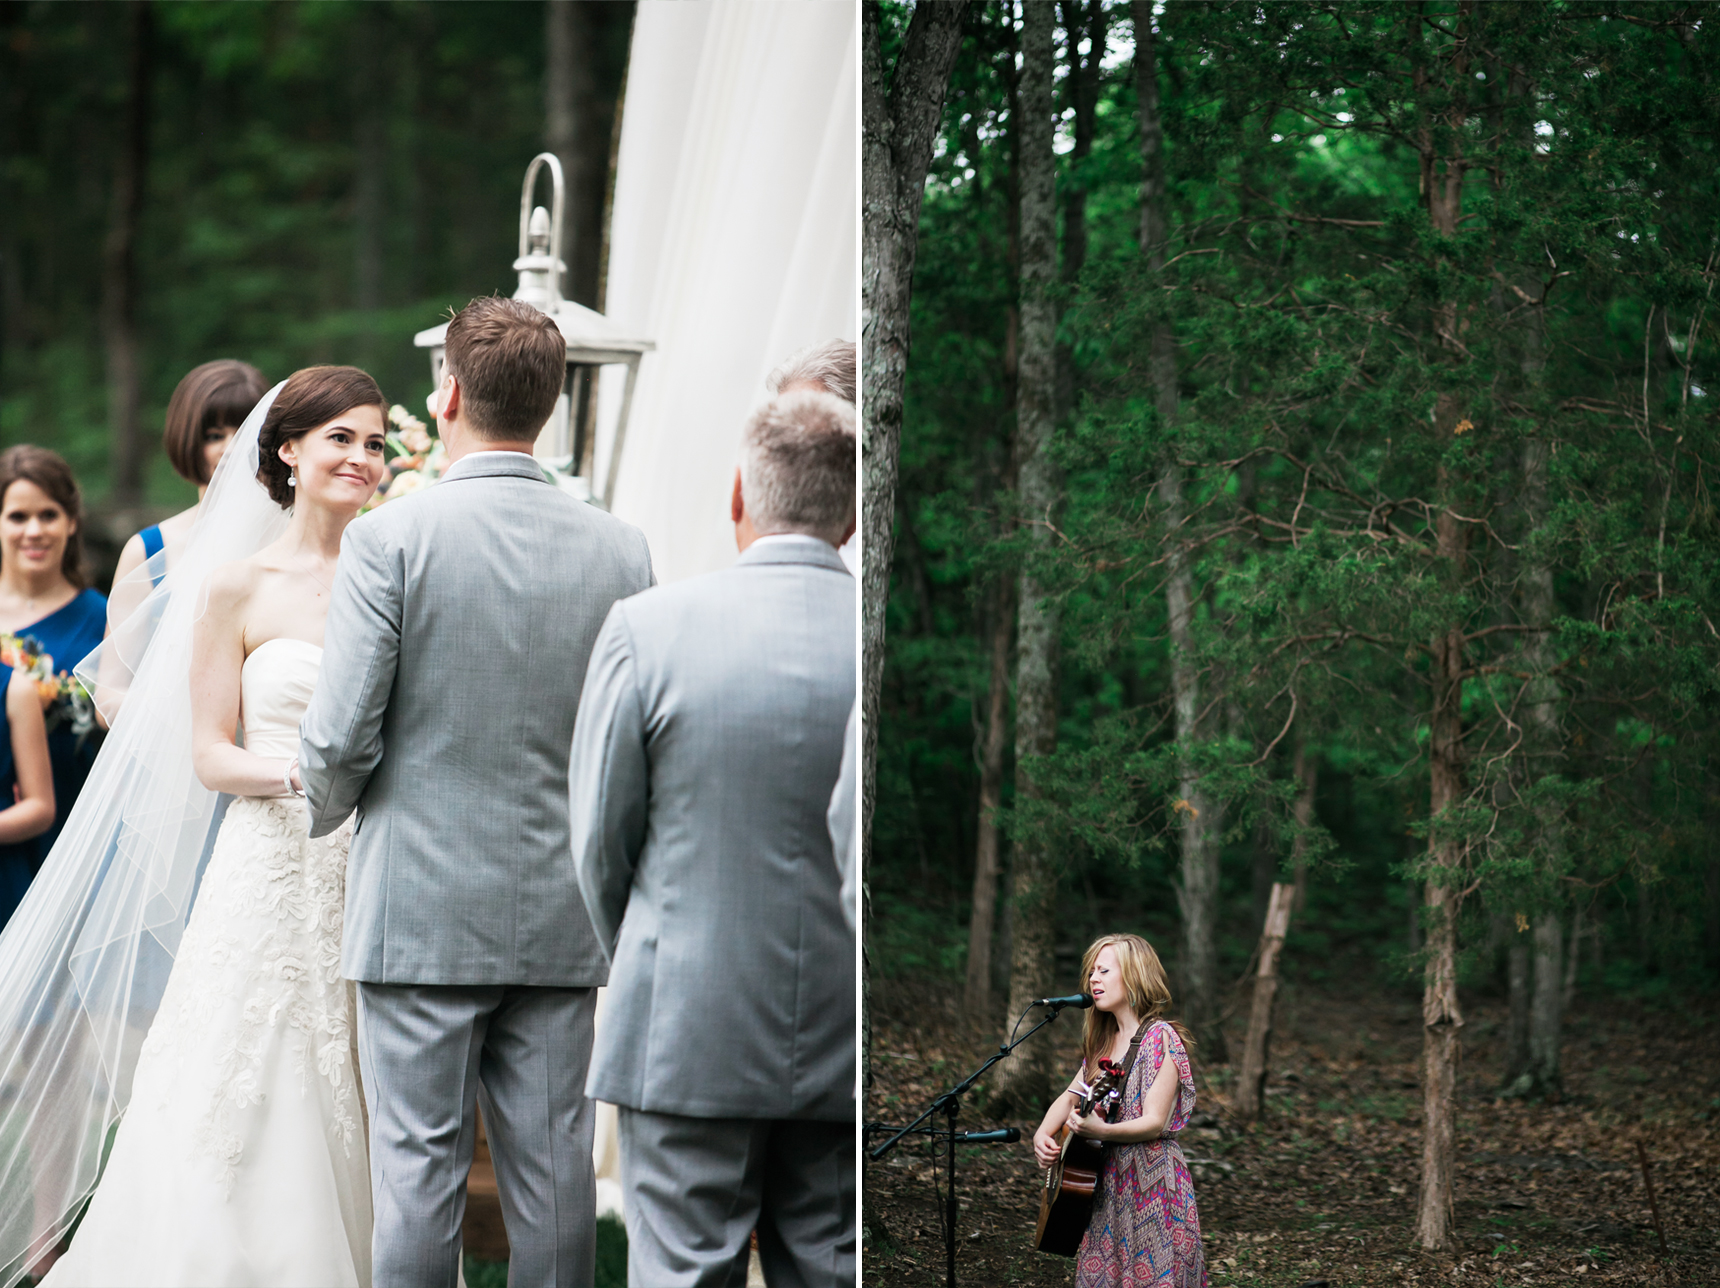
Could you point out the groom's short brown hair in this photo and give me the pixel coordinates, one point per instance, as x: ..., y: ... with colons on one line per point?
x: 509, y: 359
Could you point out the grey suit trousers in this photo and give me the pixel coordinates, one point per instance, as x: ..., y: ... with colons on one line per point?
x: 697, y: 1187
x: 427, y: 1053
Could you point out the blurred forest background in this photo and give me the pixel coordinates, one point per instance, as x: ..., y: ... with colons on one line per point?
x: 287, y: 183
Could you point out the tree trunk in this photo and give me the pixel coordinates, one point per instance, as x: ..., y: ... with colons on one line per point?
x: 1083, y: 86
x: 1265, y: 873
x: 579, y: 113
x: 1201, y: 821
x: 1023, y: 1080
x: 1441, y: 1017
x: 1442, y: 174
x: 898, y: 128
x: 1548, y: 1010
x: 1251, y: 1085
x: 1518, y: 977
x: 1572, y: 953
x: 1307, y: 772
x: 119, y: 258
x: 985, y: 868
x: 370, y: 171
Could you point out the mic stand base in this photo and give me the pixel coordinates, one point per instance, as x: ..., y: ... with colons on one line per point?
x: 949, y: 1105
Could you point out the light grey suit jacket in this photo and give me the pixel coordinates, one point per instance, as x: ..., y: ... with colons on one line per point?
x: 706, y: 751
x: 461, y: 621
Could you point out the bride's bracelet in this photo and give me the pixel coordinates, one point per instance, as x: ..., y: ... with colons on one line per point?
x: 287, y: 778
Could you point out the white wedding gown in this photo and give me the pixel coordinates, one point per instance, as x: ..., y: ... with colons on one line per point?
x: 242, y: 1157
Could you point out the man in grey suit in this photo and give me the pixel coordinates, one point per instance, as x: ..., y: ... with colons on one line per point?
x: 706, y: 751
x: 460, y: 623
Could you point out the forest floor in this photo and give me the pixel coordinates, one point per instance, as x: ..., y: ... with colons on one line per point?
x: 1322, y: 1189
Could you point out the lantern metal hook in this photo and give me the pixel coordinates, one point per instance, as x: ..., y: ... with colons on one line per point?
x: 540, y: 273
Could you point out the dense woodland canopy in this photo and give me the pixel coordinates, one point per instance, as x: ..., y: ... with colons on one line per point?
x: 1403, y: 375
x: 283, y: 182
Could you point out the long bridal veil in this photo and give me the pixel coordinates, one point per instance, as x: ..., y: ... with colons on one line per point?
x: 85, y: 958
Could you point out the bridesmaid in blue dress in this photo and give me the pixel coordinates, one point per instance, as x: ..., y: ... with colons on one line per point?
x: 26, y: 778
x: 43, y: 596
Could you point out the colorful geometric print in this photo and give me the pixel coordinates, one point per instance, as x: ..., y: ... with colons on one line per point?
x: 1145, y: 1227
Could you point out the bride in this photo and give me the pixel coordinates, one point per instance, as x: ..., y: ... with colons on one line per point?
x: 242, y: 1156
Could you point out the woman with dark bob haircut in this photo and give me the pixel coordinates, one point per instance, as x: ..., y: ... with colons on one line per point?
x: 45, y: 598
x: 206, y: 410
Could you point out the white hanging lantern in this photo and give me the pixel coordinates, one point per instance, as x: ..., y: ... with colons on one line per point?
x: 567, y: 443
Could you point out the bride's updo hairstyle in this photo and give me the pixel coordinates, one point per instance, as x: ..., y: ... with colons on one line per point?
x: 1149, y: 994
x: 311, y: 397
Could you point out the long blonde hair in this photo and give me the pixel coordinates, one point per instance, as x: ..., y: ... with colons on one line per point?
x: 1149, y: 994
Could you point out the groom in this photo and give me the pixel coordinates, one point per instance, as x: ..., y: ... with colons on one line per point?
x: 459, y: 627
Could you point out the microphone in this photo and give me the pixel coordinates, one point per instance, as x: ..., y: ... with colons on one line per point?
x: 1082, y: 1000
x: 1001, y: 1136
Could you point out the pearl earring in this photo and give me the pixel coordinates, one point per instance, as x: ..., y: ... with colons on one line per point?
x: 292, y: 476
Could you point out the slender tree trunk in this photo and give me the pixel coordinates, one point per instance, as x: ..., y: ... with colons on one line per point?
x: 898, y: 128
x: 119, y: 257
x: 1548, y: 1010
x: 1307, y: 771
x: 1083, y: 88
x: 370, y: 176
x: 1441, y: 1016
x: 990, y: 944
x: 1251, y: 1085
x: 985, y: 868
x: 1442, y: 175
x: 1518, y: 984
x: 1541, y: 737
x: 1033, y: 891
x: 1201, y: 821
x: 1265, y: 873
x: 579, y: 113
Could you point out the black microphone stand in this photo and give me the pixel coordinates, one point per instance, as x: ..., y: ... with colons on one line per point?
x: 949, y: 1105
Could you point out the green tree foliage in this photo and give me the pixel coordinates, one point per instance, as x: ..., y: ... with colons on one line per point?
x: 1441, y: 278
x: 324, y: 179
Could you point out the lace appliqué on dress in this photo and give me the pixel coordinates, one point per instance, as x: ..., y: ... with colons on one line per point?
x: 265, y: 938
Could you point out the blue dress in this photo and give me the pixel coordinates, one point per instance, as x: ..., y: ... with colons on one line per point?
x: 68, y: 635
x: 17, y: 861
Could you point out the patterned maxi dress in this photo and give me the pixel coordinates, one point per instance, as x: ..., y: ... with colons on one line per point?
x: 1145, y: 1227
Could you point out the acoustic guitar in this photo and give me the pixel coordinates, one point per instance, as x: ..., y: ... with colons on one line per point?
x: 1066, y: 1205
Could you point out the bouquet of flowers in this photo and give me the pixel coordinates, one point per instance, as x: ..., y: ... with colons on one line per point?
x: 416, y: 457
x: 64, y: 700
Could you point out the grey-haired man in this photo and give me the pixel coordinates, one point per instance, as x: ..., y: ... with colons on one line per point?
x: 709, y: 740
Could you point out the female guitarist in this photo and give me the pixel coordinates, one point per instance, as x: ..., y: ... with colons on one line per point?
x: 1145, y: 1227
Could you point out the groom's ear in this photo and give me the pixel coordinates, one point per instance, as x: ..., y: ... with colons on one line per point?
x: 737, y: 505
x: 448, y: 406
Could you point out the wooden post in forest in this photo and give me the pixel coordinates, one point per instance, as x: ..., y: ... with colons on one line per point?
x: 1250, y: 1087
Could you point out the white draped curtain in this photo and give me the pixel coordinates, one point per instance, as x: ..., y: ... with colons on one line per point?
x: 734, y: 242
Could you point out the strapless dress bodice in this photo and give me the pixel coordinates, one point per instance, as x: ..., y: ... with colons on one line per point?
x: 275, y: 687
